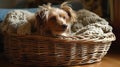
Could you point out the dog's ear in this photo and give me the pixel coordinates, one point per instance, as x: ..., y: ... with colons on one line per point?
x: 69, y: 10
x: 42, y: 14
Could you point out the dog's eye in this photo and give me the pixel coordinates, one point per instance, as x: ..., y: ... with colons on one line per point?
x: 60, y: 15
x: 64, y: 17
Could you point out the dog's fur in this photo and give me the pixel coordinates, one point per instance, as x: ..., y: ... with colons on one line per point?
x: 46, y: 21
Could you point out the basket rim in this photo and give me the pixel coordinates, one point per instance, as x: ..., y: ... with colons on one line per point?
x: 111, y: 37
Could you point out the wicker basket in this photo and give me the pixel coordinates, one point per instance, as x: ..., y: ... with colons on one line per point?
x: 48, y: 51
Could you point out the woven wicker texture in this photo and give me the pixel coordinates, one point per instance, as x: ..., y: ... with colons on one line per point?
x: 45, y: 51
x: 81, y: 48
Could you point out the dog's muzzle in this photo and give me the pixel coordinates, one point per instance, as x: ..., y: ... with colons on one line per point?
x: 64, y: 26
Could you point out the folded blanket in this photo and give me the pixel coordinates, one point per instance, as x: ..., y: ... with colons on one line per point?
x: 90, y: 25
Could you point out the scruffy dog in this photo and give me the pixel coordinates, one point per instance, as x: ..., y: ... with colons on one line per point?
x: 55, y: 21
x: 46, y: 21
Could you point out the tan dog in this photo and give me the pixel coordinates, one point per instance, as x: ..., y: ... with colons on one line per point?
x: 55, y: 21
x: 46, y: 21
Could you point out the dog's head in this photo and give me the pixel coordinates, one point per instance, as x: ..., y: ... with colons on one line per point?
x: 54, y: 20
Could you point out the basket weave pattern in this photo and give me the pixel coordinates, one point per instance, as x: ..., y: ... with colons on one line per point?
x: 43, y: 51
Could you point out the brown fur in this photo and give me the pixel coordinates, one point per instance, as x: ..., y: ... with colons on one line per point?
x: 49, y: 19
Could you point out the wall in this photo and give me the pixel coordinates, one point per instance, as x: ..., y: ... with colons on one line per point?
x: 25, y: 3
x: 13, y: 3
x: 116, y: 13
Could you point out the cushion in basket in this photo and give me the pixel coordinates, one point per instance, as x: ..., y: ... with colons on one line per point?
x: 3, y: 12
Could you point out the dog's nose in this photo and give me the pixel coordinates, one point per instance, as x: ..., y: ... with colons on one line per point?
x: 64, y: 26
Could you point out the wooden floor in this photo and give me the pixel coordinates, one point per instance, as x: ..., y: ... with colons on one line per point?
x: 110, y: 60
